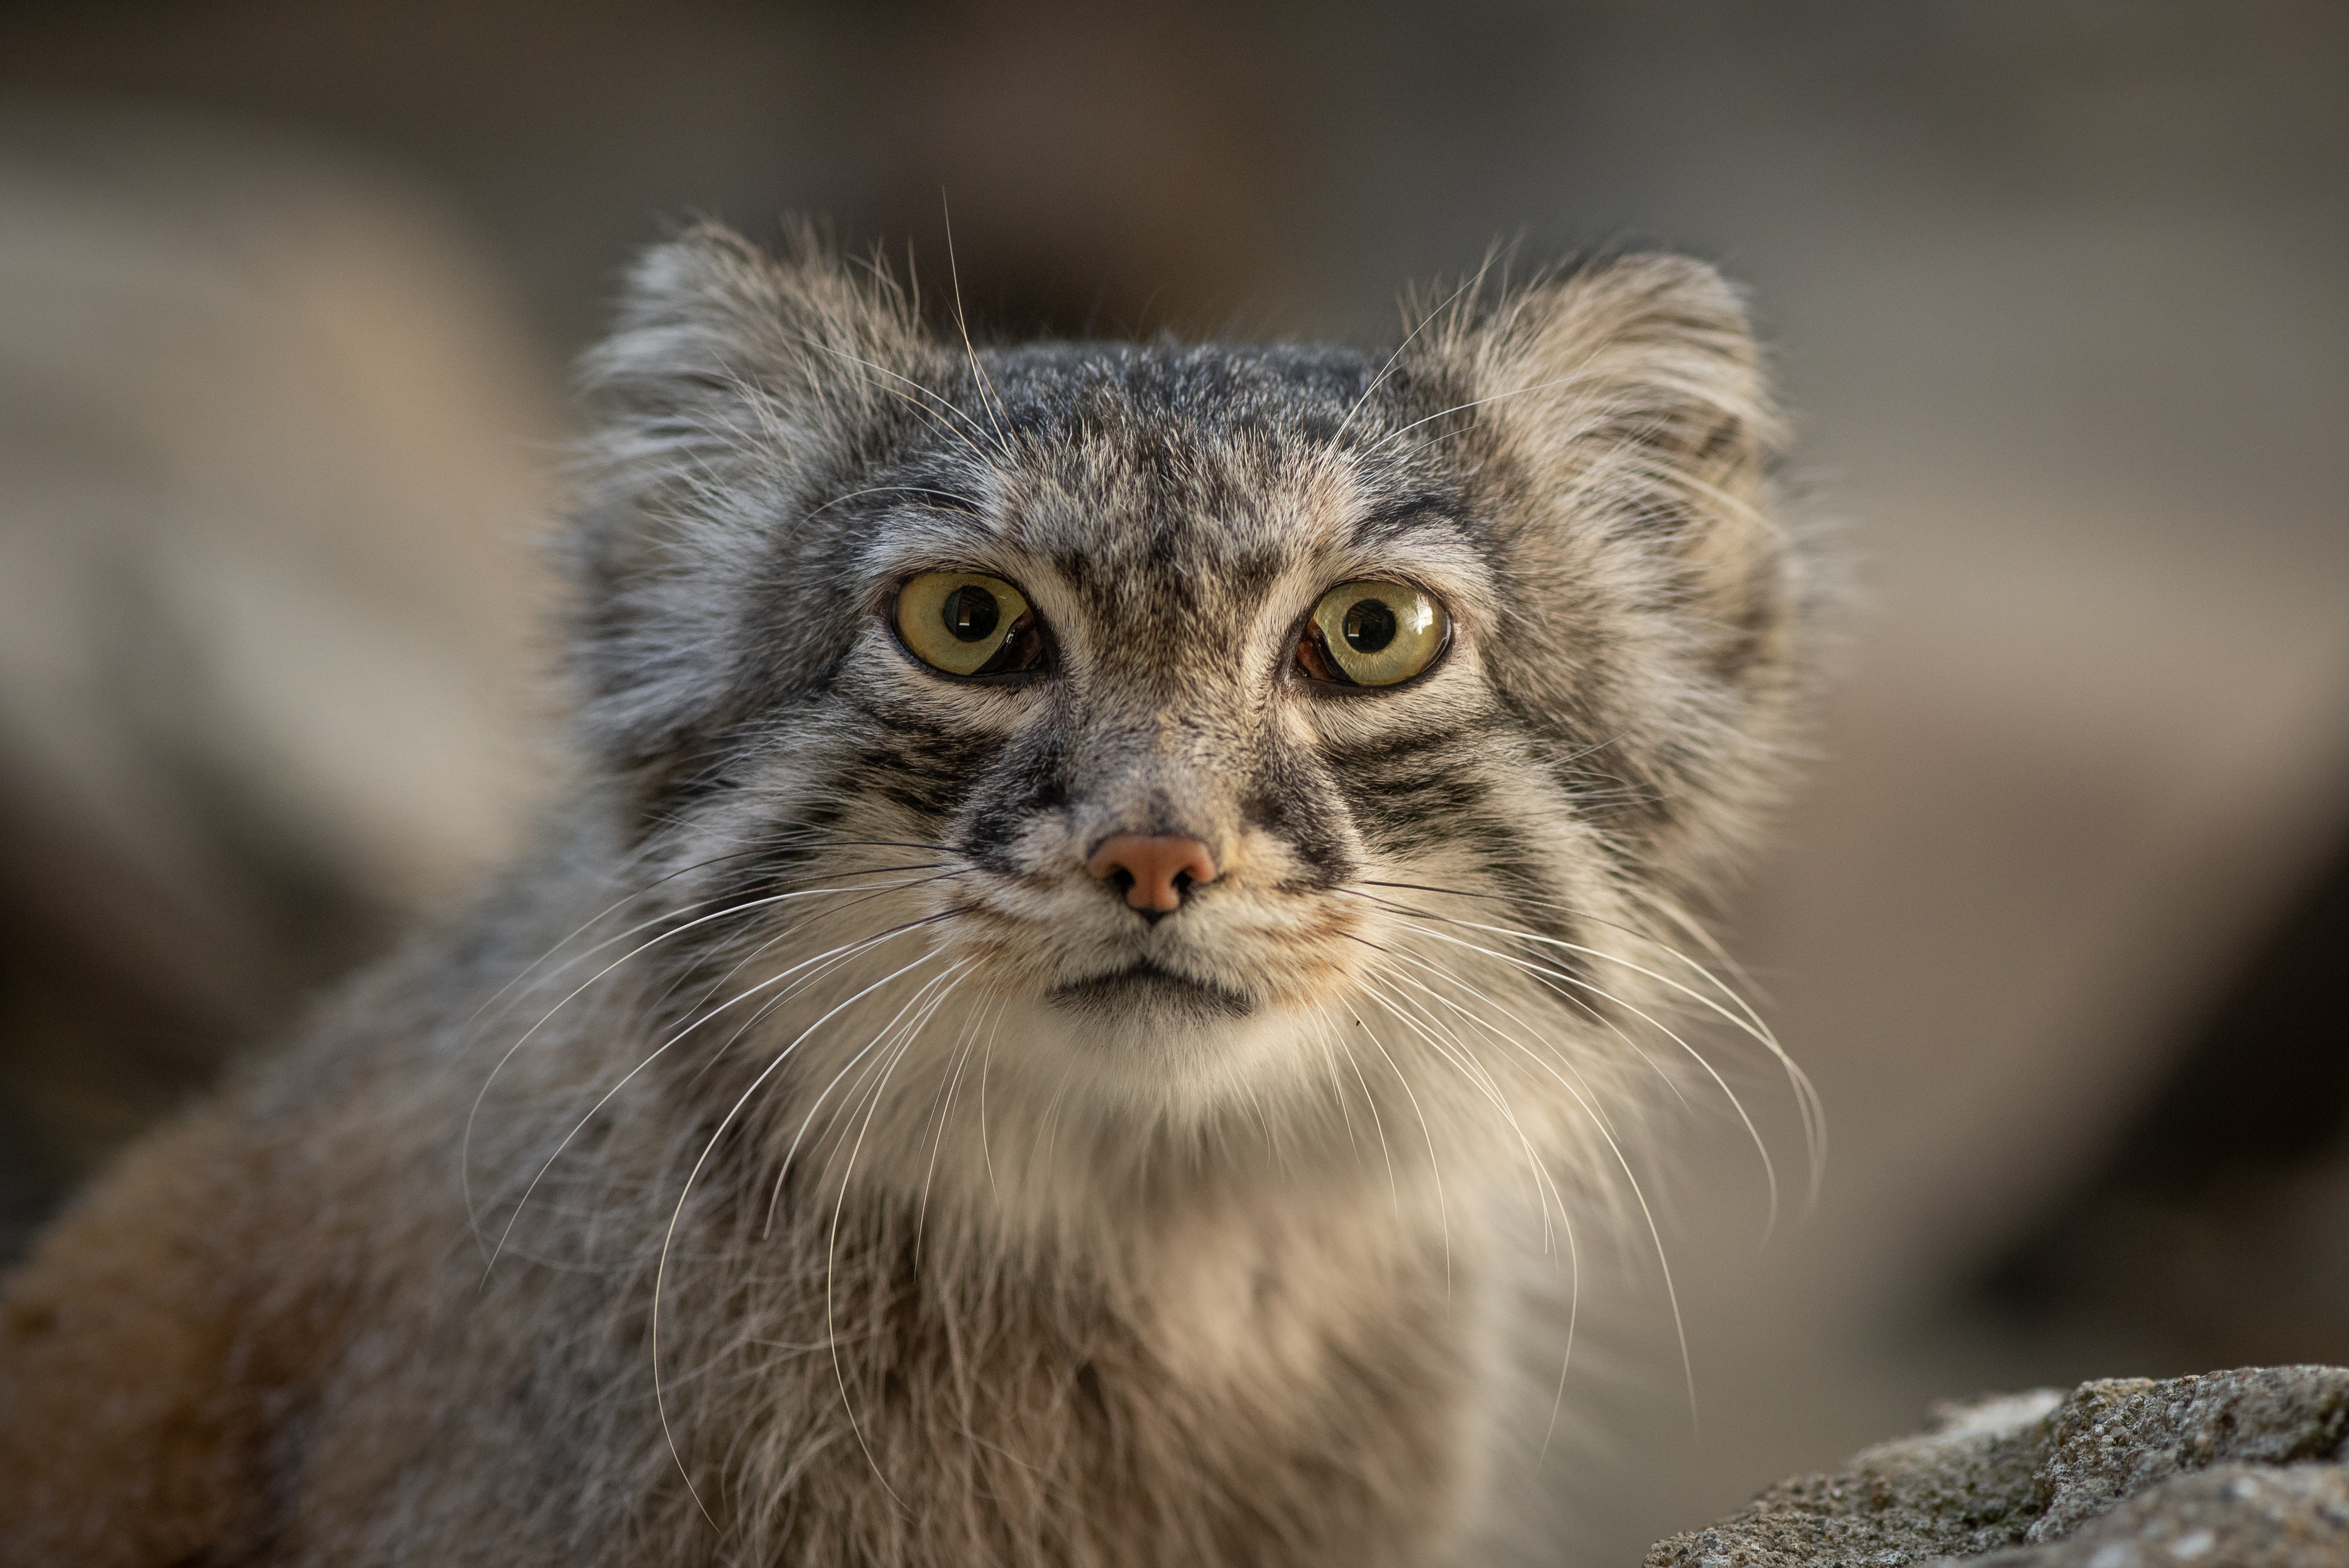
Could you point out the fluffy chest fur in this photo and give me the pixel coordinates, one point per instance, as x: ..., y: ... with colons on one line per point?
x: 1109, y: 874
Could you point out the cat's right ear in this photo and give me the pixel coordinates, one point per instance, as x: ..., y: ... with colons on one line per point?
x: 738, y: 385
x: 710, y: 318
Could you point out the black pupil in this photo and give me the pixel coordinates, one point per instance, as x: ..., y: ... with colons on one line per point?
x: 1369, y: 625
x: 971, y: 612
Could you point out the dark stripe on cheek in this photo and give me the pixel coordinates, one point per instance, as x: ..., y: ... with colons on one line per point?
x: 1523, y: 876
x: 1401, y: 746
x: 1026, y: 782
x: 1405, y: 814
x: 918, y: 763
x: 1411, y: 793
x: 1296, y: 802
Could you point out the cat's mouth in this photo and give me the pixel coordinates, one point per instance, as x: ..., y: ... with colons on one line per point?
x: 1145, y: 984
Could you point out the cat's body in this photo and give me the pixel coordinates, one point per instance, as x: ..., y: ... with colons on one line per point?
x: 1037, y: 1091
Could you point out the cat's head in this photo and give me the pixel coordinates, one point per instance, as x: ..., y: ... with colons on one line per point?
x: 1202, y: 731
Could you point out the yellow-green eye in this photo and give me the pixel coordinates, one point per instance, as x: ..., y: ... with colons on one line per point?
x: 966, y: 624
x: 1373, y: 633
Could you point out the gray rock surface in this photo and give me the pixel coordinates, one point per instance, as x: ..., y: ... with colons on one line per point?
x: 2229, y: 1516
x: 2247, y: 1469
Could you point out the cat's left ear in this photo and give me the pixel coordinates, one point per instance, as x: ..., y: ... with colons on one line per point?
x: 1631, y: 382
x: 1620, y: 412
x: 1616, y: 422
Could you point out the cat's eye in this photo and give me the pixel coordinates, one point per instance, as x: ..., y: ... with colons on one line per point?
x: 1373, y: 633
x: 968, y: 623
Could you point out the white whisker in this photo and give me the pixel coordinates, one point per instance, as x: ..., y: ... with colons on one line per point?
x: 1458, y: 1053
x: 967, y: 1043
x: 1746, y: 1020
x: 1769, y: 1168
x: 465, y: 1142
x: 996, y: 413
x: 1567, y: 977
x: 839, y: 954
x: 832, y: 1239
x: 1377, y: 1124
x: 677, y: 1215
x: 783, y: 1170
x: 1473, y: 280
x: 1435, y: 1166
x: 1480, y: 402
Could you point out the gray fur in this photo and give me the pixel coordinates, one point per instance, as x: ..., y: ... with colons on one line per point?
x: 890, y: 1256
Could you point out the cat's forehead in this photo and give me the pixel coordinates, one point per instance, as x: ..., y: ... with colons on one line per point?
x: 1221, y: 389
x: 1123, y: 463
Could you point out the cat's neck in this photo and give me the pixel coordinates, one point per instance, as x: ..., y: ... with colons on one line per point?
x: 1133, y: 1196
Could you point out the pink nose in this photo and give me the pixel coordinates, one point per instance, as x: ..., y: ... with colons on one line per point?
x: 1153, y: 863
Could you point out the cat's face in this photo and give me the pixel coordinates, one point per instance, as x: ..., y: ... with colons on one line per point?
x: 1193, y: 722
x: 1158, y: 552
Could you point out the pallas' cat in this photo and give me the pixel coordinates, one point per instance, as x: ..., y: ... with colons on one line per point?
x: 1107, y: 875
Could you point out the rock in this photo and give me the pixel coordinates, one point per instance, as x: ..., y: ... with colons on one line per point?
x: 2229, y: 1516
x: 2247, y: 1469
x: 2113, y: 1440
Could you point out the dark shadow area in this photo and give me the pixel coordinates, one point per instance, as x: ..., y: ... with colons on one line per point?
x: 2214, y: 1233
x: 119, y: 1002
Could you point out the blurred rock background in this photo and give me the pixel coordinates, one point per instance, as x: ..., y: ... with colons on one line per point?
x: 2059, y: 293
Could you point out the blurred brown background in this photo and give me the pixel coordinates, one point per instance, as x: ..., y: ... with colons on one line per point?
x: 2059, y: 293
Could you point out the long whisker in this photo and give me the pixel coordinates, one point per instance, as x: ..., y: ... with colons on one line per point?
x: 1655, y: 1234
x: 1450, y: 1047
x: 968, y: 1043
x: 1584, y: 1095
x: 996, y: 413
x: 1807, y: 1095
x: 677, y: 1215
x: 1761, y: 1147
x: 1480, y: 402
x: 725, y: 900
x: 788, y: 931
x: 1040, y: 1153
x: 1455, y: 1051
x: 1435, y: 1166
x: 1573, y: 1317
x: 1747, y: 1022
x: 592, y: 921
x: 1322, y: 1033
x: 1377, y: 1124
x: 985, y: 1154
x: 832, y: 1239
x: 1566, y: 1222
x: 465, y: 1143
x: 1465, y: 1056
x: 1395, y: 358
x: 888, y: 1031
x: 1753, y: 1029
x: 769, y: 846
x: 846, y: 950
x: 1752, y: 1022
